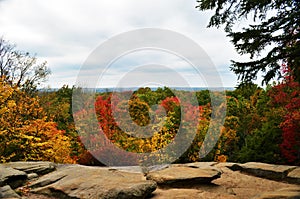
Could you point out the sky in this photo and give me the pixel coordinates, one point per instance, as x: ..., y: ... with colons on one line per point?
x: 65, y: 33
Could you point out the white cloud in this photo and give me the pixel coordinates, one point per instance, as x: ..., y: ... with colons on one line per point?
x: 65, y: 32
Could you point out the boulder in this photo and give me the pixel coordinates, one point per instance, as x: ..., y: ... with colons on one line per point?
x: 12, y: 177
x: 183, y: 175
x: 39, y: 168
x: 269, y: 171
x: 7, y: 192
x: 287, y: 193
x: 75, y: 181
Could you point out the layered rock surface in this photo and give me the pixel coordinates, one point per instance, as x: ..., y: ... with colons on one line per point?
x: 93, y: 182
x: 45, y: 180
x: 269, y: 171
x: 180, y: 175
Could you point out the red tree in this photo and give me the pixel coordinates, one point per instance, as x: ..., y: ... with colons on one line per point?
x: 287, y: 96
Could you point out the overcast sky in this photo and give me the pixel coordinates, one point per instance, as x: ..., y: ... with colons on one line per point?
x: 65, y: 32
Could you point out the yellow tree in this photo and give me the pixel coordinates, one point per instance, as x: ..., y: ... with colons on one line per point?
x: 25, y: 133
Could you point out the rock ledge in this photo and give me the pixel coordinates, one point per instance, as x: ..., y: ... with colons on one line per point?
x: 46, y: 180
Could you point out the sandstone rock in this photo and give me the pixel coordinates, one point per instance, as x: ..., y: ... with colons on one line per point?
x: 189, y: 193
x: 179, y: 175
x: 76, y: 181
x: 244, y: 186
x: 224, y: 164
x: 190, y: 180
x: 31, y: 176
x: 294, y: 176
x: 200, y: 165
x: 7, y: 192
x: 287, y: 193
x: 40, y: 168
x: 269, y: 171
x: 12, y: 177
x: 132, y: 169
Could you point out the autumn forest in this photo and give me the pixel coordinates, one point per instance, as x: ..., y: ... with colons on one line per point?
x: 260, y: 125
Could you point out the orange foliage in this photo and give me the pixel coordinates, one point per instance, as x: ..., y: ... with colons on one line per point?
x: 25, y: 133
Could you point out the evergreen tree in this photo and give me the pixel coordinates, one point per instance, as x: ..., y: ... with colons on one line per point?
x: 275, y: 24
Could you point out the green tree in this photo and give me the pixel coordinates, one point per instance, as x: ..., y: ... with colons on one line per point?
x: 203, y: 97
x: 263, y: 143
x: 275, y: 24
x: 57, y: 106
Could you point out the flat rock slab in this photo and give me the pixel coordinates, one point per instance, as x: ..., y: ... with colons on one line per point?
x: 180, y: 175
x: 40, y: 168
x: 93, y: 182
x: 294, y: 176
x: 200, y: 164
x: 7, y: 192
x: 224, y: 164
x: 183, y: 193
x: 244, y: 186
x: 269, y: 171
x: 12, y: 177
x: 287, y: 193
